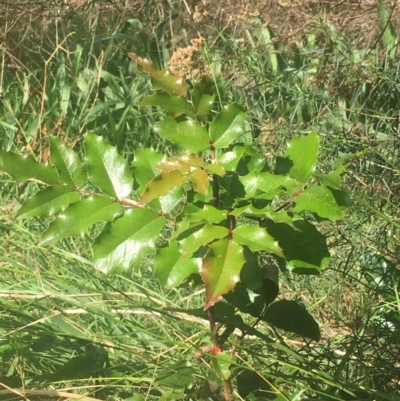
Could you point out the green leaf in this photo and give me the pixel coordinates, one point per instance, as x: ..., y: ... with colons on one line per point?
x: 124, y: 243
x: 178, y: 375
x: 228, y: 125
x: 68, y: 164
x: 161, y: 185
x: 107, y: 169
x: 221, y: 269
x: 172, y: 268
x: 231, y: 158
x: 270, y: 184
x: 163, y: 79
x: 188, y: 135
x: 170, y: 202
x: 203, y: 96
x: 176, y: 105
x: 202, y: 237
x: 320, y: 201
x: 303, y: 153
x: 304, y: 247
x: 256, y: 239
x: 23, y: 168
x: 79, y: 217
x: 49, y: 202
x: 293, y: 317
x: 209, y: 214
x: 145, y: 160
x: 199, y: 178
x: 221, y: 364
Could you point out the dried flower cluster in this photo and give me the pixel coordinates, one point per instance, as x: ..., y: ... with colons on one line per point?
x: 188, y: 63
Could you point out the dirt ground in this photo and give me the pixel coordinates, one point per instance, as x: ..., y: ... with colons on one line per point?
x: 289, y: 19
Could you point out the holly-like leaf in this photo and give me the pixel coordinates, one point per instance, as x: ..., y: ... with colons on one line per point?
x: 203, y: 96
x: 227, y: 126
x: 256, y: 239
x: 176, y: 105
x: 170, y: 202
x: 216, y: 167
x: 270, y: 184
x: 209, y: 214
x: 304, y: 247
x: 23, y: 168
x: 79, y: 217
x: 321, y: 201
x: 231, y: 158
x: 221, y: 269
x: 293, y: 317
x: 199, y: 178
x: 48, y: 202
x: 69, y: 166
x: 172, y: 268
x: 161, y: 185
x: 188, y: 135
x: 145, y: 160
x: 107, y: 169
x: 124, y: 243
x: 202, y: 237
x: 162, y: 79
x: 303, y: 153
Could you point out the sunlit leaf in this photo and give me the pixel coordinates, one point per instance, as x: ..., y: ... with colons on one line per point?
x: 49, y: 202
x: 321, y: 201
x: 202, y: 237
x: 23, y: 168
x: 107, y: 169
x: 163, y: 79
x: 69, y: 166
x: 203, y: 96
x: 145, y: 160
x: 221, y: 269
x: 227, y: 126
x: 188, y: 135
x: 303, y: 153
x: 161, y: 185
x: 268, y: 183
x: 79, y: 217
x: 172, y: 268
x: 257, y: 239
x: 176, y: 105
x: 124, y: 243
x: 199, y: 178
x: 292, y: 317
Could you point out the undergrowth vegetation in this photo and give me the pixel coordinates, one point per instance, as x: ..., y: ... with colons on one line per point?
x: 71, y: 331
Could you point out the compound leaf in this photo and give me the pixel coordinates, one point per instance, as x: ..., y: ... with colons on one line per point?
x: 303, y: 153
x: 49, y: 202
x: 79, y: 217
x: 320, y: 201
x: 256, y: 239
x: 23, y: 168
x: 221, y: 269
x: 188, y: 135
x: 124, y: 243
x: 228, y: 125
x: 176, y: 105
x: 108, y: 170
x: 68, y: 164
x: 161, y: 185
x: 172, y: 268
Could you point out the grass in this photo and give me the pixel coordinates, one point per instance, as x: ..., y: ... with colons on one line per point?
x: 122, y: 333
